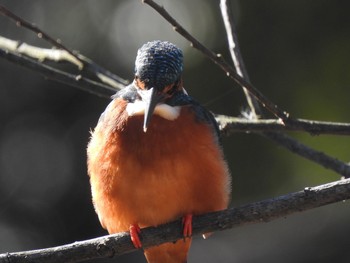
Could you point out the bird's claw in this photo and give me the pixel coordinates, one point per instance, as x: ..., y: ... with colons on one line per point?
x: 135, y: 237
x: 187, y: 225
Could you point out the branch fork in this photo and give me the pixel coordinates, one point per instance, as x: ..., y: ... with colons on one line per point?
x: 264, y: 211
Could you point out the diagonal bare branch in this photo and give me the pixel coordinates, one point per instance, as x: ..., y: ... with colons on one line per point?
x: 59, y: 55
x: 218, y: 60
x: 81, y: 61
x: 77, y: 81
x: 237, y: 59
x: 118, y: 244
x: 253, y: 213
x: 32, y: 57
x: 89, y: 85
x: 284, y: 140
x: 40, y: 33
x: 229, y: 125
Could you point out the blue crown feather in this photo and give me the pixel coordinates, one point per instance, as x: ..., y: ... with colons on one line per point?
x: 158, y: 64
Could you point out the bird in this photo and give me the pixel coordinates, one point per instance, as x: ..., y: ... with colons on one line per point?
x: 155, y: 155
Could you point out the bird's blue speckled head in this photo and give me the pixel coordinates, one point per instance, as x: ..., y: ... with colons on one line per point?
x: 158, y: 64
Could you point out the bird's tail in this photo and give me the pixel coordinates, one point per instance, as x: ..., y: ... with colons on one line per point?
x: 169, y: 252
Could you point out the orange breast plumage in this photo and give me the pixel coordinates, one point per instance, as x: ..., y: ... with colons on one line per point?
x: 151, y: 178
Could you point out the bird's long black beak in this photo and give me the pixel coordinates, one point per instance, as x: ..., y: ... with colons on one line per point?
x: 151, y: 98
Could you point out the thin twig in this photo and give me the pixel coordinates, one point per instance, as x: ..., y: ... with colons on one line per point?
x: 95, y: 88
x: 58, y: 55
x: 229, y: 125
x: 41, y: 54
x: 218, y: 60
x: 286, y: 141
x: 309, y: 153
x: 103, y: 74
x: 118, y: 244
x: 40, y: 33
x: 254, y: 213
x: 79, y: 60
x: 77, y: 81
x: 237, y: 59
x: 321, y: 158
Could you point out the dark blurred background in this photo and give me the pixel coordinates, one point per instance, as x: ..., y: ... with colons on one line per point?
x: 296, y: 52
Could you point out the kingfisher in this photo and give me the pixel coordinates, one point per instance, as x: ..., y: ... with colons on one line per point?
x: 155, y: 155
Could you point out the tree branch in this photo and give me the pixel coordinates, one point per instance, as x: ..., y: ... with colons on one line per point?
x: 82, y: 62
x: 286, y: 141
x: 18, y: 53
x: 258, y: 212
x: 229, y: 125
x: 41, y: 54
x: 236, y: 56
x: 41, y: 34
x: 219, y: 61
x: 77, y: 81
x: 254, y: 213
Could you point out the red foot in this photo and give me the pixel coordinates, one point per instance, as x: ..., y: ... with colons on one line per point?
x: 187, y: 225
x: 134, y: 233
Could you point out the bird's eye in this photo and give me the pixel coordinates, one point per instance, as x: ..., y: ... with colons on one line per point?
x: 140, y: 84
x: 171, y: 89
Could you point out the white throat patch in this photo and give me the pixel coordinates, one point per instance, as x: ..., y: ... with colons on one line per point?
x: 163, y: 110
